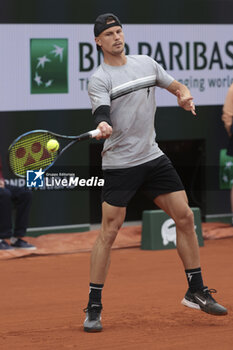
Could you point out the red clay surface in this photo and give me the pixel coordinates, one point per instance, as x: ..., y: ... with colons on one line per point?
x: 42, y: 298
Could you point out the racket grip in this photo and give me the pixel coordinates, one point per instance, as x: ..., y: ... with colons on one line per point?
x: 94, y: 133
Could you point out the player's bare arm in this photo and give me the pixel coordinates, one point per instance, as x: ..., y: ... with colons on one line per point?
x: 227, y: 120
x: 184, y: 97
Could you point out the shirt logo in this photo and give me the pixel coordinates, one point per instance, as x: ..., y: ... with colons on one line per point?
x: 35, y: 178
x: 49, y: 66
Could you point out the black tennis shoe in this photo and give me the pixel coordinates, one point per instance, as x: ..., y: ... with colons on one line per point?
x: 92, y: 321
x: 203, y: 300
x: 21, y: 244
x: 5, y: 246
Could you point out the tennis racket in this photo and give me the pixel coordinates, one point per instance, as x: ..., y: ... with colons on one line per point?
x: 29, y: 151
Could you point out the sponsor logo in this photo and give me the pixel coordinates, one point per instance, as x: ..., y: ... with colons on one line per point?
x: 202, y: 301
x: 49, y: 66
x: 190, y: 276
x: 35, y: 178
x: 168, y: 232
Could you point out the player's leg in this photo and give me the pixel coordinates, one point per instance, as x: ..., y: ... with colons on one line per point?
x: 112, y: 219
x: 22, y: 199
x: 120, y: 185
x: 5, y: 218
x: 175, y: 204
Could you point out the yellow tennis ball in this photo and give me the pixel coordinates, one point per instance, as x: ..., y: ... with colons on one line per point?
x: 52, y: 145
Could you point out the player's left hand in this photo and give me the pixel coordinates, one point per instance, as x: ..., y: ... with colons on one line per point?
x: 186, y: 102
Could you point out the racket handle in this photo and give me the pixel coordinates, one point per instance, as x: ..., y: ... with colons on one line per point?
x: 94, y: 133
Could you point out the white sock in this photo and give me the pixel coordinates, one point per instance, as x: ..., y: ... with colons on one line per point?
x: 13, y: 240
x: 1, y: 240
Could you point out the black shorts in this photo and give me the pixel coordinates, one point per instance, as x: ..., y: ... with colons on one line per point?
x: 152, y: 178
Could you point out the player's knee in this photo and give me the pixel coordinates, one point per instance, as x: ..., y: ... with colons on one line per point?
x: 108, y: 237
x: 186, y: 220
x: 109, y: 233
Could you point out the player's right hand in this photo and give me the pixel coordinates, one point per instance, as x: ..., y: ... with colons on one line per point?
x: 105, y: 130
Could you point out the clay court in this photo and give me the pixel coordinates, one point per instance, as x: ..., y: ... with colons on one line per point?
x: 43, y: 294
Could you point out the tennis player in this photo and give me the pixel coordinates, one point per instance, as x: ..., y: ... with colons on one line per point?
x: 122, y: 93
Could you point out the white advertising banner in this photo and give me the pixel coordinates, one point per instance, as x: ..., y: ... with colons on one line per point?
x: 47, y: 66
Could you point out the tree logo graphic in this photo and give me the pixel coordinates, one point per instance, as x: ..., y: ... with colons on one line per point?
x: 49, y: 66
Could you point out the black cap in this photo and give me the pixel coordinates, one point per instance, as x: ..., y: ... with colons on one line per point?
x: 101, y: 23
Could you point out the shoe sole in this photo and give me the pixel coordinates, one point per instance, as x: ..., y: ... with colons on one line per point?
x: 189, y: 304
x: 215, y: 313
x: 92, y: 330
x: 32, y: 248
x: 7, y: 250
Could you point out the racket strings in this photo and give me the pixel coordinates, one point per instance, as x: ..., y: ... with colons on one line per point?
x: 30, y: 153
